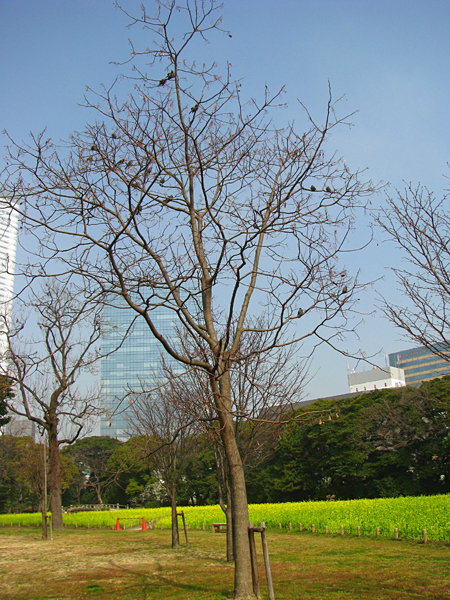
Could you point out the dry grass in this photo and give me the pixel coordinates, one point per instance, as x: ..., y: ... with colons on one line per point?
x: 131, y: 565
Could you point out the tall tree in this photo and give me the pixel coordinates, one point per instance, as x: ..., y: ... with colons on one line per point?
x: 184, y: 194
x: 419, y: 224
x: 46, y: 370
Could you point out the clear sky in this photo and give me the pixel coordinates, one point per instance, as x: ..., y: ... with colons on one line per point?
x: 390, y: 58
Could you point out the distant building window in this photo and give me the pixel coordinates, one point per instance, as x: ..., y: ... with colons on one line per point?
x: 385, y: 385
x: 356, y: 390
x: 374, y: 387
x: 364, y: 388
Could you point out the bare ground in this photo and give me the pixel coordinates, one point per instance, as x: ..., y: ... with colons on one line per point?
x: 131, y: 565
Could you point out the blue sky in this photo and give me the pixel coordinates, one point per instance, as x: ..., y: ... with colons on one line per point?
x: 390, y: 59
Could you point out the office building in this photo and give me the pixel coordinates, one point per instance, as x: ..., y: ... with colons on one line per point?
x: 8, y: 243
x: 133, y: 357
x: 19, y: 427
x: 419, y: 364
x: 378, y: 378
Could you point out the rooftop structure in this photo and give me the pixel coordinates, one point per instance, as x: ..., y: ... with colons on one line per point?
x: 376, y: 379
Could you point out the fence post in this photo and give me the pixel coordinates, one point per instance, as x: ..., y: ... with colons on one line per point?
x: 378, y: 532
x: 313, y: 528
x: 266, y: 561
x: 301, y: 527
x: 425, y: 536
x: 358, y: 529
x: 396, y: 533
x: 342, y: 530
x: 185, y: 528
x: 326, y: 529
x: 254, y: 562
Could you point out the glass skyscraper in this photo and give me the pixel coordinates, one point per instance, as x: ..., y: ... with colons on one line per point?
x: 134, y: 363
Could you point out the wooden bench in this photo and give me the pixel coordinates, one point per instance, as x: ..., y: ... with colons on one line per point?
x: 219, y: 527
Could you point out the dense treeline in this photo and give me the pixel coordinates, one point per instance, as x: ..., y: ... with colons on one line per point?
x: 385, y: 443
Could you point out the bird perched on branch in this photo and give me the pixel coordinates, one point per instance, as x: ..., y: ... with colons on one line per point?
x: 194, y: 108
x: 328, y: 189
x: 313, y: 188
x: 301, y: 312
x: 162, y: 81
x: 345, y: 289
x: 170, y: 75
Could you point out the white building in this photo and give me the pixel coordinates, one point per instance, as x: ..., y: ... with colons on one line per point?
x: 376, y: 379
x: 9, y: 222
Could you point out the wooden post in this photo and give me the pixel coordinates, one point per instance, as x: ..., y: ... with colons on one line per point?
x: 425, y: 536
x: 203, y: 527
x: 342, y: 530
x: 50, y: 519
x: 181, y: 514
x: 266, y: 561
x: 279, y: 525
x: 358, y: 529
x: 254, y: 562
x: 161, y: 524
x: 301, y: 527
x: 290, y: 526
x: 313, y: 528
x: 326, y: 529
x: 396, y: 533
x: 378, y: 532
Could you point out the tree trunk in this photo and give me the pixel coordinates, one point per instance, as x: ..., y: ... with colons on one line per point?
x: 98, y: 493
x: 243, y: 586
x: 175, y: 535
x: 222, y: 481
x: 54, y: 473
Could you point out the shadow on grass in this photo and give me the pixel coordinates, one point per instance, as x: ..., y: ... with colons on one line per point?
x: 158, y: 580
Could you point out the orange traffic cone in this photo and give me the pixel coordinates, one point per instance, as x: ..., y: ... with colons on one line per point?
x: 144, y: 526
x: 117, y: 524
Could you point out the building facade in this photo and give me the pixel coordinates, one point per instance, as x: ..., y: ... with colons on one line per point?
x: 376, y: 379
x: 132, y: 360
x: 419, y: 364
x: 9, y: 222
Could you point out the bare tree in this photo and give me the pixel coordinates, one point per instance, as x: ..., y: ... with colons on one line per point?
x: 184, y: 195
x: 47, y: 370
x: 420, y: 226
x: 164, y: 421
x: 265, y: 389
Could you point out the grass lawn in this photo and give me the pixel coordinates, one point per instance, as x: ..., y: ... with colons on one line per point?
x: 105, y: 564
